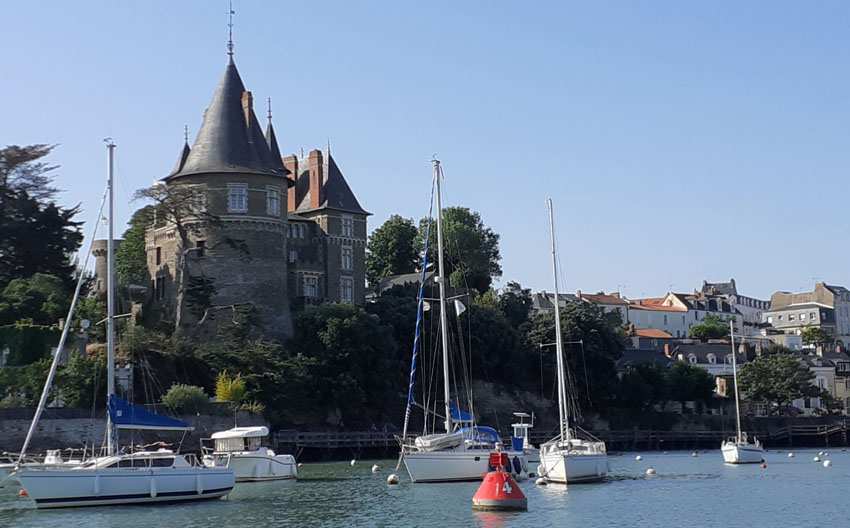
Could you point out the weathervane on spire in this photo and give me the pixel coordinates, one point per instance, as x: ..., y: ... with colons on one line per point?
x: 230, y: 30
x: 186, y: 133
x: 270, y: 108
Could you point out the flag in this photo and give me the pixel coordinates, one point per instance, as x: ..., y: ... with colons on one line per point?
x: 459, y: 307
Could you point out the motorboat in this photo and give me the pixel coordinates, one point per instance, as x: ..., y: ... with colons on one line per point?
x: 520, y: 440
x: 241, y: 450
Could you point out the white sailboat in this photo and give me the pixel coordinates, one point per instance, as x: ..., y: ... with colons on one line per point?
x: 241, y: 450
x: 739, y: 449
x: 118, y: 478
x: 462, y: 450
x: 568, y: 458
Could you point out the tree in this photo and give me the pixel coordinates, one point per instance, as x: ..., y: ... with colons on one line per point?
x: 391, y: 249
x: 41, y: 298
x: 82, y: 381
x: 470, y: 249
x: 27, y: 215
x: 641, y: 386
x: 711, y: 327
x: 131, y: 262
x: 815, y: 335
x: 685, y: 382
x: 592, y: 344
x: 515, y: 303
x: 183, y: 206
x: 778, y: 379
x: 229, y: 388
x: 186, y: 398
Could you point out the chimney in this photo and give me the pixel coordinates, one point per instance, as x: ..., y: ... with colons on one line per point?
x: 291, y: 164
x: 667, y: 349
x: 247, y: 107
x: 578, y: 294
x: 316, y: 180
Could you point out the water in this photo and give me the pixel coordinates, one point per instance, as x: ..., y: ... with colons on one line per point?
x: 696, y: 491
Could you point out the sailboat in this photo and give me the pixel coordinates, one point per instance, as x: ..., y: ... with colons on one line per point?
x: 568, y: 457
x: 118, y: 477
x: 739, y: 449
x: 462, y: 450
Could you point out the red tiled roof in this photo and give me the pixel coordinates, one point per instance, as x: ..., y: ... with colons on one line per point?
x: 655, y: 303
x: 651, y: 332
x: 603, y: 298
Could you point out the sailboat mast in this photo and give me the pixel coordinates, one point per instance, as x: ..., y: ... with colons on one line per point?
x: 559, y: 341
x: 441, y: 282
x: 735, y: 378
x: 110, y: 303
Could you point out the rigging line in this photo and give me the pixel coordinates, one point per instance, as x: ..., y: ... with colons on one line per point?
x: 586, y: 379
x: 121, y: 179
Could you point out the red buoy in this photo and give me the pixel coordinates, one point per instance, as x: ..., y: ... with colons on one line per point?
x: 22, y: 492
x: 499, y: 490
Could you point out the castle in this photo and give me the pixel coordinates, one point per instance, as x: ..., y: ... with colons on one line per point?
x: 288, y: 231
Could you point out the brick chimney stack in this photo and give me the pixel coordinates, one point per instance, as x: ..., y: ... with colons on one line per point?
x: 316, y: 179
x: 247, y: 107
x: 291, y: 164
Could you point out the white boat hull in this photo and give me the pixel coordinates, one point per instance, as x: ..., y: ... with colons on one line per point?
x: 558, y: 466
x: 741, y: 453
x: 253, y: 467
x: 451, y: 465
x: 62, y: 488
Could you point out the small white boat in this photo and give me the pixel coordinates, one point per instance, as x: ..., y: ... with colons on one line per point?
x: 532, y: 454
x: 241, y: 450
x: 142, y: 477
x: 569, y: 457
x: 739, y: 449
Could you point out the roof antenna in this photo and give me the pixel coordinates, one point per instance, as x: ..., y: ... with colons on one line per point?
x: 230, y: 30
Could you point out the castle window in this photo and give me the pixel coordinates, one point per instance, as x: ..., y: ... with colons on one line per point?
x: 273, y: 201
x: 293, y: 256
x: 200, y: 248
x: 346, y: 289
x: 347, y: 226
x: 302, y: 231
x: 345, y: 258
x: 237, y: 198
x: 198, y: 202
x: 158, y: 256
x: 310, y: 287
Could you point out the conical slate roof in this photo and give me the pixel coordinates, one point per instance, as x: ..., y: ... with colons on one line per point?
x: 181, y: 160
x: 227, y: 141
x: 271, y: 140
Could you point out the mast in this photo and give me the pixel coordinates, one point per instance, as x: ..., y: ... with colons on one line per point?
x: 735, y: 378
x: 441, y: 281
x: 110, y: 304
x: 559, y: 341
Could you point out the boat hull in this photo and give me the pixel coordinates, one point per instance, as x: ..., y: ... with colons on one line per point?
x: 565, y: 468
x: 741, y: 453
x: 451, y: 465
x: 64, y: 488
x: 252, y: 468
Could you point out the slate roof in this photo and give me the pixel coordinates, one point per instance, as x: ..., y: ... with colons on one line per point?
x: 226, y: 141
x: 632, y: 356
x: 337, y: 194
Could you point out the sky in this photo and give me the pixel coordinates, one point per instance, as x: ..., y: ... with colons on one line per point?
x: 679, y: 141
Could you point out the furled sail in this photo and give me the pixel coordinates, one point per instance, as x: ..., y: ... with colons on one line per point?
x: 125, y: 415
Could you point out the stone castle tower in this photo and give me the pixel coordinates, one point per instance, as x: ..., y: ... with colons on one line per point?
x: 288, y: 232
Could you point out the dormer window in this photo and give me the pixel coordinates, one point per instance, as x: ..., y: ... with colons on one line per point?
x: 692, y: 359
x: 711, y: 358
x: 237, y: 198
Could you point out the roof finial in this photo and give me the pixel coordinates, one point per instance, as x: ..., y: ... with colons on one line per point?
x: 270, y: 109
x: 230, y: 30
x: 186, y: 133
x: 329, y: 146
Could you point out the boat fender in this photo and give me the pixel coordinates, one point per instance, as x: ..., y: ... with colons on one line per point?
x: 541, y: 482
x: 97, y: 484
x: 153, y: 487
x: 392, y: 479
x: 517, y: 464
x: 525, y: 464
x: 198, y: 486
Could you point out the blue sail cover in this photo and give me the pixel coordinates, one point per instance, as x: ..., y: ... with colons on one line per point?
x: 481, y: 433
x: 125, y: 415
x: 459, y: 415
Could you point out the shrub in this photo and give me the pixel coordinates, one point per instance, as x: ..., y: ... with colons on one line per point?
x: 185, y: 397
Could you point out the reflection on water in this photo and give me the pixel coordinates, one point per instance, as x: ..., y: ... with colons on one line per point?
x: 684, y: 491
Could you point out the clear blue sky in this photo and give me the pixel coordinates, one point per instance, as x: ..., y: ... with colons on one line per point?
x: 678, y: 140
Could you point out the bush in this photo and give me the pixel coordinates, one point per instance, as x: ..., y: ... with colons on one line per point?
x: 228, y: 388
x: 187, y: 398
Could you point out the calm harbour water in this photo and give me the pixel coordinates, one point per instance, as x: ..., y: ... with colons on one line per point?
x: 686, y: 490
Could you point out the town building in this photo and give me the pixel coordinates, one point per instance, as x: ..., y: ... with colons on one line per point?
x: 288, y: 232
x: 749, y: 308
x: 826, y: 307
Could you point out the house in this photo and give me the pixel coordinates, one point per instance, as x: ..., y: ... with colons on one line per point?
x: 545, y: 302
x: 633, y: 356
x: 609, y: 302
x: 832, y: 302
x: 749, y: 308
x: 675, y: 313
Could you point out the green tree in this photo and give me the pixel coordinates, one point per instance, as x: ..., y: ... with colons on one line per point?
x: 36, y: 235
x: 685, y: 382
x: 711, y: 327
x: 815, y: 335
x: 131, y: 258
x: 391, y: 249
x: 42, y: 298
x: 778, y: 379
x: 471, y: 249
x: 515, y: 303
x: 641, y: 386
x: 22, y: 386
x: 592, y: 345
x: 82, y: 381
x: 229, y: 388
